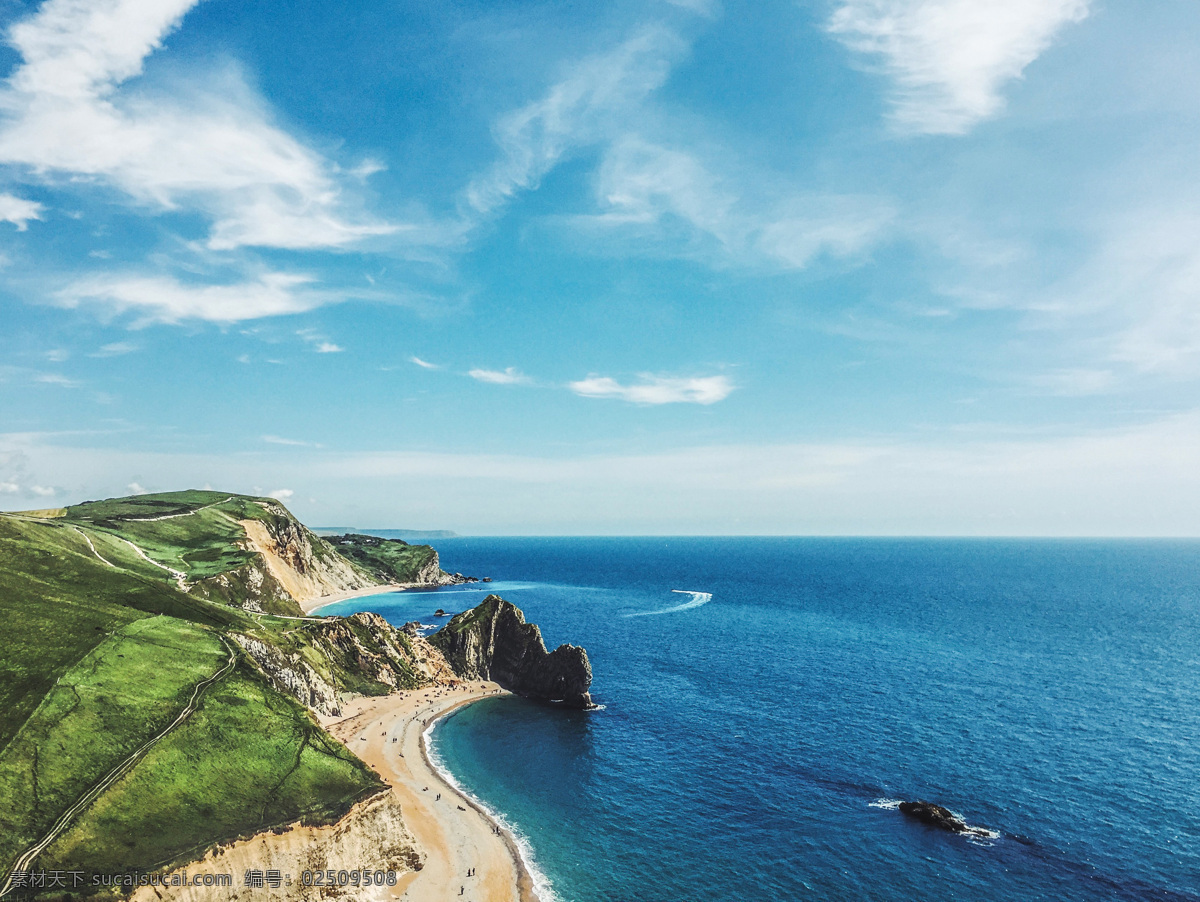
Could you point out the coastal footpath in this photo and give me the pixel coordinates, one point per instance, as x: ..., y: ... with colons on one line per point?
x: 177, y: 700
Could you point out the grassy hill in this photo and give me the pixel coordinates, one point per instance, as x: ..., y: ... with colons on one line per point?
x: 129, y: 701
x: 389, y: 560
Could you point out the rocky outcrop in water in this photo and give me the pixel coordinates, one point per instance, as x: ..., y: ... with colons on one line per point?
x: 493, y: 642
x: 942, y: 818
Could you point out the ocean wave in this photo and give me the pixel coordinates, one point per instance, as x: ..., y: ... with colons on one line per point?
x: 697, y: 599
x: 543, y: 888
x: 887, y: 804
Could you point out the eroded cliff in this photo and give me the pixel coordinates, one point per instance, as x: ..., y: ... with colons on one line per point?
x: 323, y: 663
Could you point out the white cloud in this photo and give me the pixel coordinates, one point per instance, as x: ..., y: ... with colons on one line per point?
x: 507, y: 376
x: 328, y: 347
x: 1148, y: 269
x: 1075, y: 381
x: 583, y: 108
x: 424, y: 364
x: 58, y: 355
x: 279, y: 440
x: 42, y: 491
x: 648, y: 191
x: 282, y: 494
x: 165, y: 299
x: 950, y: 59
x: 56, y: 379
x: 19, y: 211
x: 707, y: 8
x: 210, y: 146
x: 115, y: 349
x: 137, y: 489
x: 9, y: 488
x: 657, y: 389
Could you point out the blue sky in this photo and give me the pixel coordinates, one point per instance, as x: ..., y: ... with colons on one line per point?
x: 841, y: 267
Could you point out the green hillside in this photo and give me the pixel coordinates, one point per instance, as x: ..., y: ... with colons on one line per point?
x: 389, y: 560
x: 128, y: 700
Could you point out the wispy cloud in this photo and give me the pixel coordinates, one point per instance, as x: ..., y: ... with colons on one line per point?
x: 657, y: 389
x: 281, y: 494
x: 950, y: 59
x: 507, y: 376
x: 166, y: 299
x: 584, y: 107
x: 209, y: 146
x: 115, y: 349
x: 56, y: 379
x: 291, y: 442
x: 19, y: 211
x: 646, y: 190
x: 424, y: 364
x: 1075, y: 382
x: 328, y: 347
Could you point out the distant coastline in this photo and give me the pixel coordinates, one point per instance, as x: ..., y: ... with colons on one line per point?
x: 404, y: 534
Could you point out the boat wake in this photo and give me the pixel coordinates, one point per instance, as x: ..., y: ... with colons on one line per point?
x: 697, y: 599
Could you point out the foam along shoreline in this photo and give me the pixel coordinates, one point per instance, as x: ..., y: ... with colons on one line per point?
x: 455, y: 832
x: 534, y: 885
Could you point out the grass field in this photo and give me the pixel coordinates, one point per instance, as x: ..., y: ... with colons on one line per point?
x: 274, y: 765
x: 194, y: 532
x: 57, y: 601
x: 125, y: 689
x: 90, y: 671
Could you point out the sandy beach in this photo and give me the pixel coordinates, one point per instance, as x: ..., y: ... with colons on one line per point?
x: 455, y: 835
x: 312, y: 604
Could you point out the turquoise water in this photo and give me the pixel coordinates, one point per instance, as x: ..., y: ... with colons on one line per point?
x: 751, y: 744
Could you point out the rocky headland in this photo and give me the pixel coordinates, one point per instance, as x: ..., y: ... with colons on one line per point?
x: 493, y: 642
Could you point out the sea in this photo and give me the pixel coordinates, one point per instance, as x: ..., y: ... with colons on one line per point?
x: 768, y: 702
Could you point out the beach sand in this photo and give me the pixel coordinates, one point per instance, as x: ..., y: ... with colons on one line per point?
x: 454, y: 834
x: 311, y: 604
x: 451, y: 833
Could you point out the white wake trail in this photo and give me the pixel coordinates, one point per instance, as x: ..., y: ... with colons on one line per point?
x: 697, y: 599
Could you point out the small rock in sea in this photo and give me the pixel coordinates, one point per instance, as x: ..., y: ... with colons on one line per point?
x: 934, y: 816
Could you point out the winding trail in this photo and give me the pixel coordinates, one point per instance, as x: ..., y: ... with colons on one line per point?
x: 64, y: 820
x: 102, y: 560
x: 178, y: 575
x: 173, y: 516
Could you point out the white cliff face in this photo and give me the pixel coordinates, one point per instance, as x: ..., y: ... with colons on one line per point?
x: 300, y: 562
x: 371, y: 837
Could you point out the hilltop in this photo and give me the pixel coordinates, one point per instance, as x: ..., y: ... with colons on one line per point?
x: 158, y: 689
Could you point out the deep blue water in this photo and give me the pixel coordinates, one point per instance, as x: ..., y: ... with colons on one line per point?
x: 1049, y: 690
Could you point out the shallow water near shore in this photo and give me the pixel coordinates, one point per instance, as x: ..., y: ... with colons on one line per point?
x: 753, y: 744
